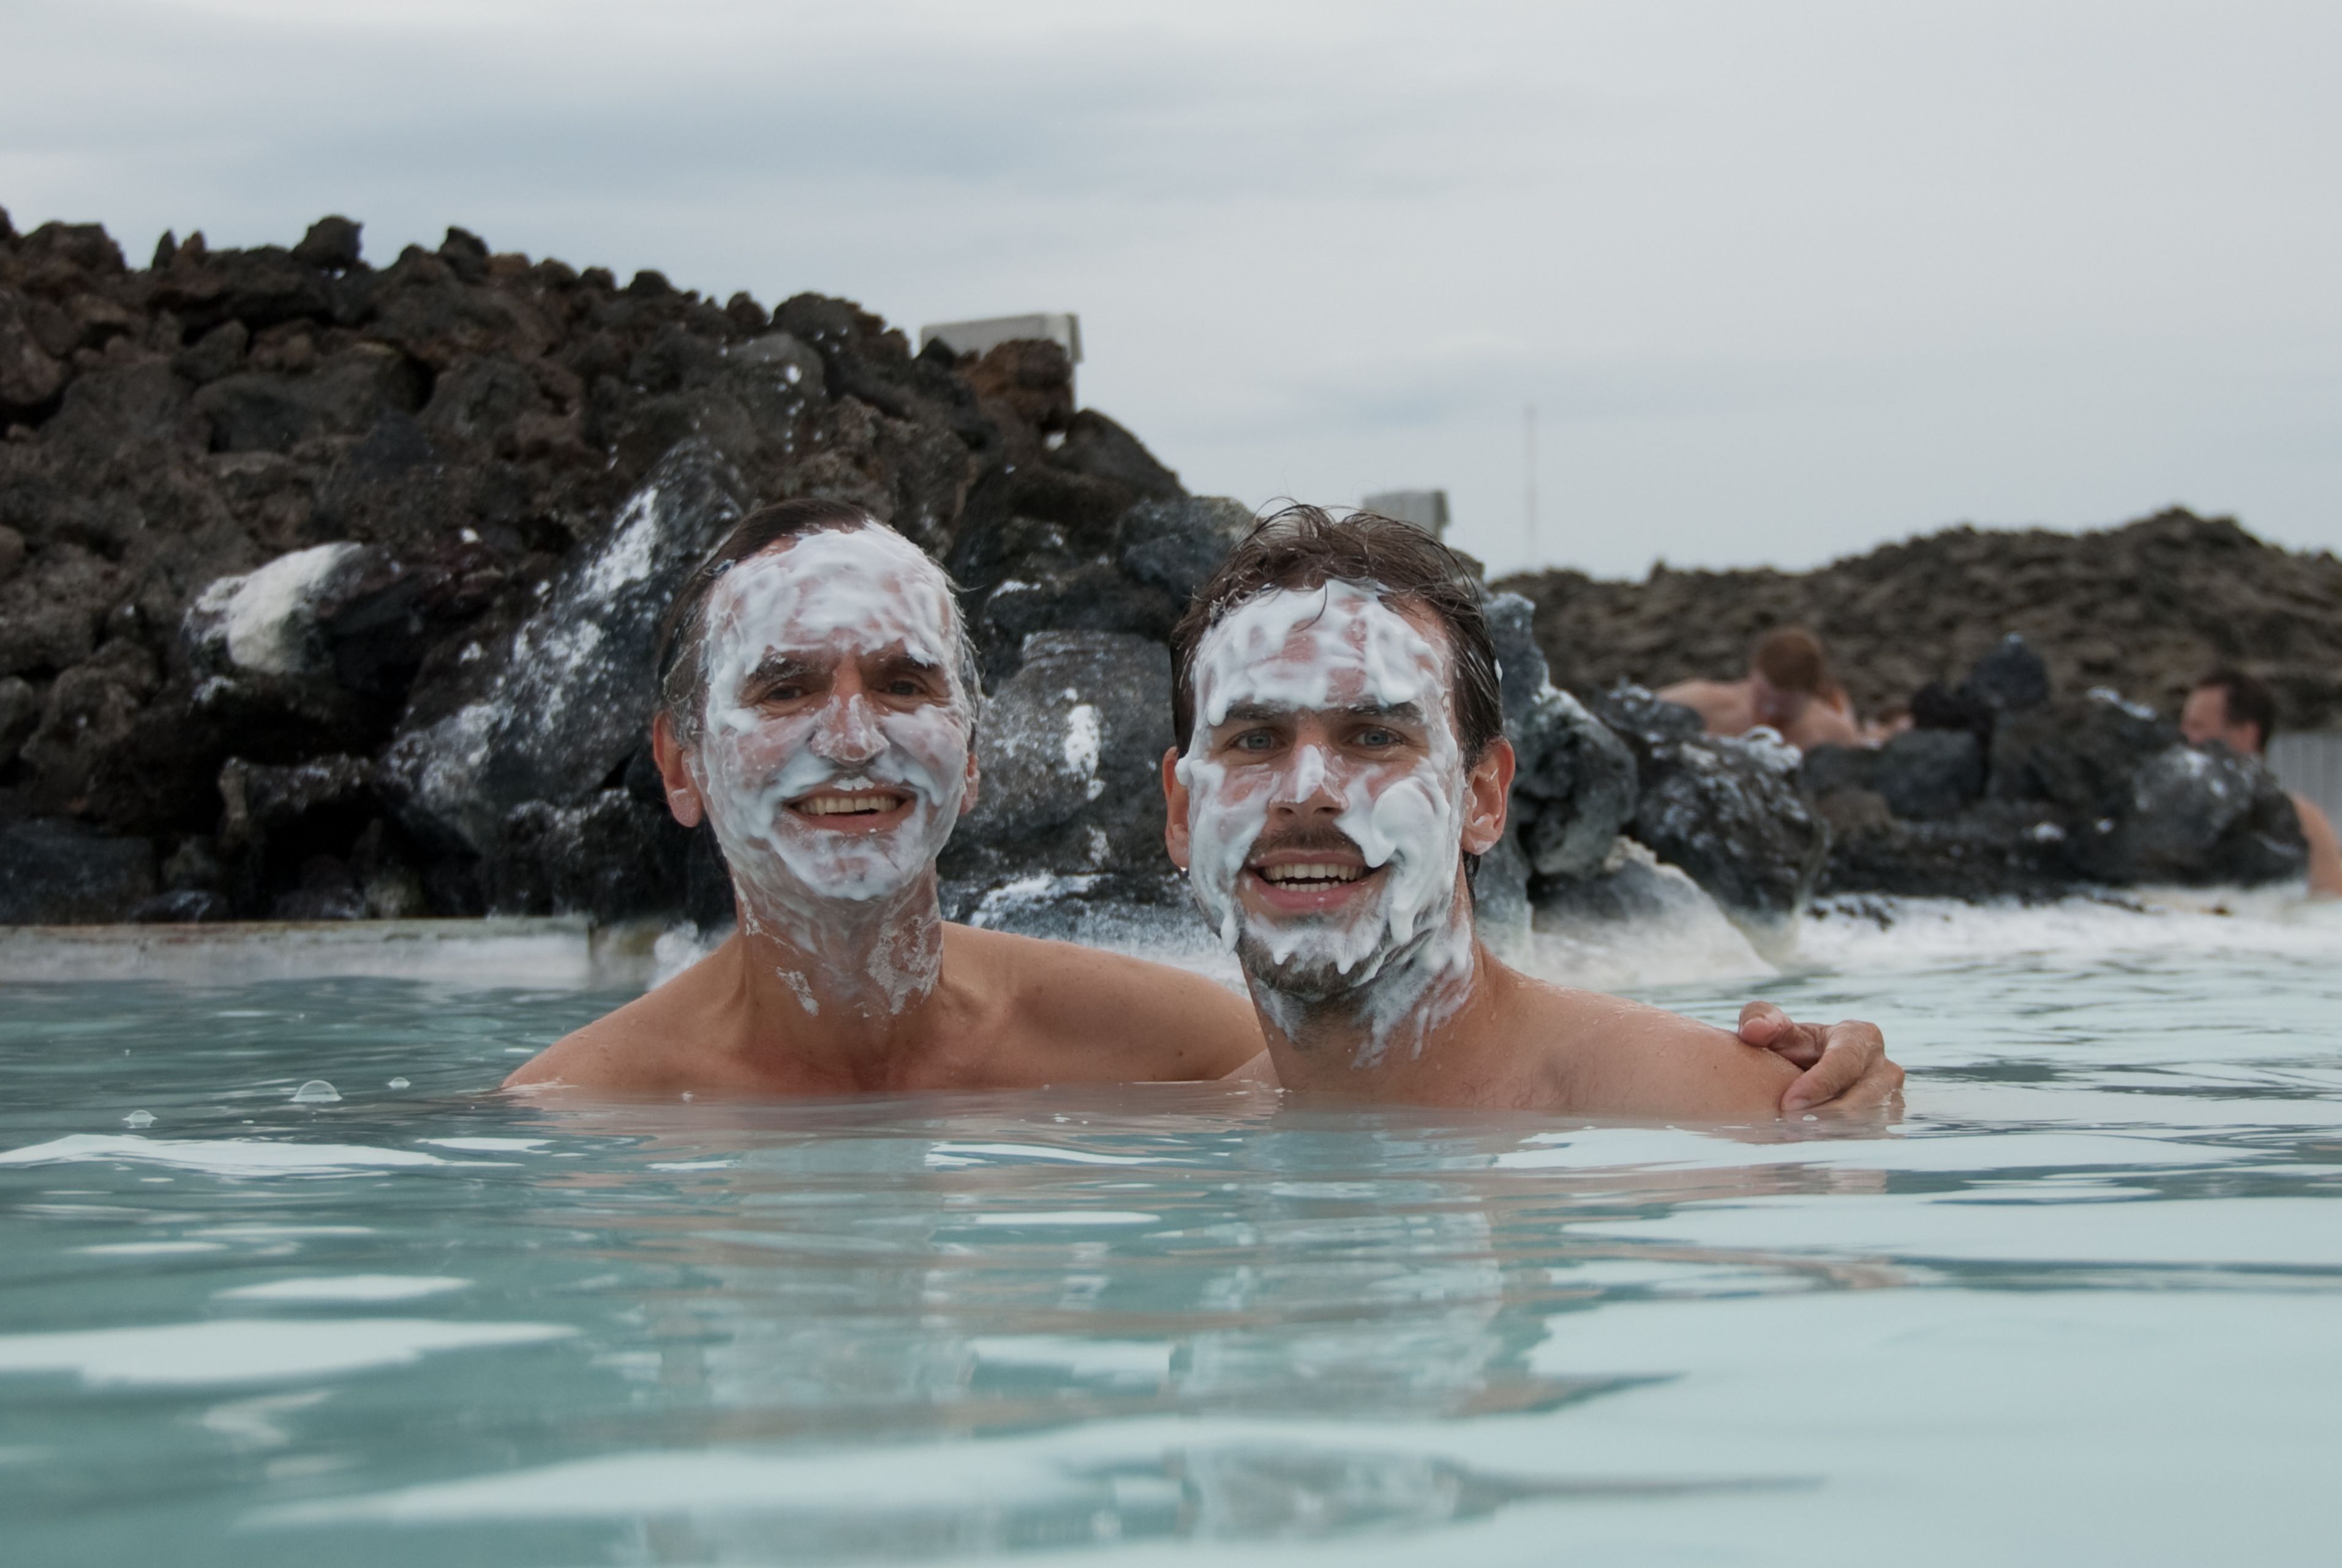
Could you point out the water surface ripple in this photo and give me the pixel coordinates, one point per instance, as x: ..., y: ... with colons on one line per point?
x: 2080, y: 1304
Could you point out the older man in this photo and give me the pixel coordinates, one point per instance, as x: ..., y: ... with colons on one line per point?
x: 817, y: 707
x: 1342, y: 764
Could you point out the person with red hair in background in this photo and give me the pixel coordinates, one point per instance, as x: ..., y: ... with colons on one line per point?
x: 1788, y: 689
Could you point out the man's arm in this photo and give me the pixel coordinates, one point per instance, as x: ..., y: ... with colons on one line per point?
x: 1105, y: 1017
x: 1625, y: 1059
x: 2324, y: 849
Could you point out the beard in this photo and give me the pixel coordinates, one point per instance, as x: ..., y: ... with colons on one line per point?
x: 1315, y: 958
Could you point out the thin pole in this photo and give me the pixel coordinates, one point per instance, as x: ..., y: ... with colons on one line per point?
x: 1528, y: 471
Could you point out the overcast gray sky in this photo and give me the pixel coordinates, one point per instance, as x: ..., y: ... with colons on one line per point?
x: 1782, y: 279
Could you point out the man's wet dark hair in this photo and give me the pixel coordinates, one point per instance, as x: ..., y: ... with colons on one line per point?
x: 2249, y: 701
x: 1306, y: 547
x: 682, y: 675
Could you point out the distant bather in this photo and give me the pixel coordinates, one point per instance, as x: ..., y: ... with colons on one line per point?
x: 1788, y: 687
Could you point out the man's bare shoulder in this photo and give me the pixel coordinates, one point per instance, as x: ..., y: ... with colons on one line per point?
x: 1114, y: 1017
x: 2325, y: 847
x: 1722, y: 705
x: 1823, y: 726
x: 634, y: 1047
x: 1698, y: 692
x: 1607, y: 1057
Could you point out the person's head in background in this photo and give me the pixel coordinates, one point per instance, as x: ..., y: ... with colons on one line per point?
x: 2232, y: 707
x: 1787, y: 671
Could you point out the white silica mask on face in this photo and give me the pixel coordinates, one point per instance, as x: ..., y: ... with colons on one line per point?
x: 829, y: 599
x: 1329, y: 650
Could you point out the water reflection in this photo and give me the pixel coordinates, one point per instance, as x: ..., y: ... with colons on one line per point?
x: 873, y: 1285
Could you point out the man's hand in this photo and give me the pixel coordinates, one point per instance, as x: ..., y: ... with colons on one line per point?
x: 1846, y: 1064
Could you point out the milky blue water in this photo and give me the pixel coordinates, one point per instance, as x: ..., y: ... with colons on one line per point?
x: 2082, y: 1305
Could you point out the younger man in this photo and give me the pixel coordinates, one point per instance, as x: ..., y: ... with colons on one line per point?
x: 1342, y: 761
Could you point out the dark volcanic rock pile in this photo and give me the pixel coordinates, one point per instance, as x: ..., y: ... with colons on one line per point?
x: 328, y: 591
x: 2143, y: 609
x: 331, y: 592
x: 2038, y: 793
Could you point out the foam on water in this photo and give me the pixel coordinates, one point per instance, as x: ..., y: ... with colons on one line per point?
x: 216, y: 1156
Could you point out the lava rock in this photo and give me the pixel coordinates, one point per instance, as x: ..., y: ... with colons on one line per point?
x: 1728, y: 811
x: 1833, y: 770
x: 2204, y: 815
x: 1094, y: 596
x: 1995, y: 850
x: 54, y: 872
x: 1097, y: 445
x: 2009, y: 679
x: 1069, y: 753
x: 29, y: 374
x: 1574, y: 782
x: 2079, y: 753
x: 1177, y: 545
x: 264, y: 625
x: 286, y: 832
x: 609, y: 857
x: 1928, y: 773
x: 330, y: 245
x: 181, y: 907
x: 20, y: 713
x: 345, y: 394
x: 566, y: 698
x: 90, y: 712
x: 1032, y: 377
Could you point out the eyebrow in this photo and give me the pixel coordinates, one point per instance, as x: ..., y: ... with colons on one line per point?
x: 1395, y: 713
x: 899, y: 658
x: 1392, y: 713
x: 776, y: 667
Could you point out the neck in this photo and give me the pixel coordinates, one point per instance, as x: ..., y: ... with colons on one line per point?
x: 841, y: 983
x: 1392, y: 1030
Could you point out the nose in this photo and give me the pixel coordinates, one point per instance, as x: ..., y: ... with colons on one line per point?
x: 846, y: 732
x: 1303, y: 788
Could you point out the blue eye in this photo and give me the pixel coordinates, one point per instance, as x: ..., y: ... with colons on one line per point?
x: 1255, y: 741
x: 1377, y: 739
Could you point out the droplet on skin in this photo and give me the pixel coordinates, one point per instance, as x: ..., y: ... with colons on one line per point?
x: 139, y: 1119
x: 316, y: 1092
x: 399, y: 1083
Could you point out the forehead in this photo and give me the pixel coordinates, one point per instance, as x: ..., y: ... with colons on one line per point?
x: 2209, y: 703
x: 865, y: 587
x: 1338, y: 645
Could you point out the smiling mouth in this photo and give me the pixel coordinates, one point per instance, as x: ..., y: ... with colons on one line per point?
x: 859, y: 803
x: 1309, y: 874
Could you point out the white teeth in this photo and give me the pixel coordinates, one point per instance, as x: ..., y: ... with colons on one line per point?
x: 844, y: 805
x: 1311, y: 871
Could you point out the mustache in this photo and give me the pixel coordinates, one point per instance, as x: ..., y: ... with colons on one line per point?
x: 1320, y: 836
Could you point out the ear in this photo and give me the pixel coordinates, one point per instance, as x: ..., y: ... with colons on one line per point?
x: 1487, y: 791
x: 974, y: 780
x: 682, y: 797
x: 1175, y: 806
